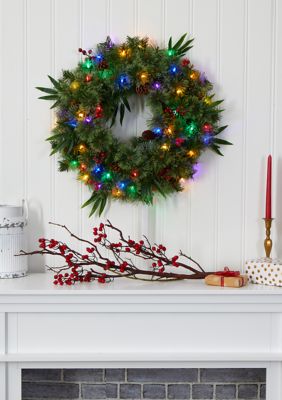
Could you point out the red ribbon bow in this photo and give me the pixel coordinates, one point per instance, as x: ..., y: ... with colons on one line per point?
x: 226, y: 273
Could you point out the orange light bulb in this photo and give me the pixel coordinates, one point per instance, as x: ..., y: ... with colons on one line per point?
x: 85, y: 177
x: 191, y: 153
x: 82, y: 148
x: 80, y: 115
x: 180, y: 91
x: 165, y: 146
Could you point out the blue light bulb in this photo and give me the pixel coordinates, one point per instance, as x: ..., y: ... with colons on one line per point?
x: 98, y: 58
x: 98, y: 170
x: 122, y: 184
x: 174, y: 69
x: 72, y: 123
x: 157, y: 131
x: 124, y: 81
x: 207, y: 139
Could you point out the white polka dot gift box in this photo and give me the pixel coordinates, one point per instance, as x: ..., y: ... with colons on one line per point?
x: 265, y: 271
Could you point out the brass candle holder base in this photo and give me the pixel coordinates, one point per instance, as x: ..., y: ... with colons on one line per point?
x: 268, y: 241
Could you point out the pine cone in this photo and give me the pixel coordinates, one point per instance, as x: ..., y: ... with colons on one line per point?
x: 103, y: 65
x: 148, y: 135
x: 142, y: 89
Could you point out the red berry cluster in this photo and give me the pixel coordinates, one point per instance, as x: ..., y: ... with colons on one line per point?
x: 93, y: 265
x: 84, y: 52
x: 185, y: 62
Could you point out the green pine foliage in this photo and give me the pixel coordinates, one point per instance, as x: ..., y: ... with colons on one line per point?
x: 97, y: 94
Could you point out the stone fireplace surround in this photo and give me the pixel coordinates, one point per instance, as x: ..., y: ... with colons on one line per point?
x: 144, y: 383
x: 137, y: 325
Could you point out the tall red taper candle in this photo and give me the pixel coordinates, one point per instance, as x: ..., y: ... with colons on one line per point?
x: 268, y: 188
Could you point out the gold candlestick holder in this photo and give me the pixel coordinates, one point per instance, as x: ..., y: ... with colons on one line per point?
x: 267, y: 240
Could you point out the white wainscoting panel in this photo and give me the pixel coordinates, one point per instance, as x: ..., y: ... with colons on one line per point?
x: 238, y: 43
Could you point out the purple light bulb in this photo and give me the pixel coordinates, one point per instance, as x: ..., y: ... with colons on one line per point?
x: 157, y: 85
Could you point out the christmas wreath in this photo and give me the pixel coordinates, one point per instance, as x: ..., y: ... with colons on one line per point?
x: 88, y: 99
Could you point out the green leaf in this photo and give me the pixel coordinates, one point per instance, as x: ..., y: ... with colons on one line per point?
x: 63, y: 166
x: 216, y: 103
x: 54, y: 136
x: 49, y: 97
x: 55, y: 83
x: 170, y: 43
x: 46, y: 90
x: 222, y: 141
x: 121, y: 113
x: 216, y: 149
x: 125, y: 102
x: 221, y: 129
x: 55, y: 104
x: 90, y: 200
x: 114, y: 116
x: 56, y: 148
x: 158, y: 186
x: 179, y: 42
x: 95, y: 206
x: 102, y: 205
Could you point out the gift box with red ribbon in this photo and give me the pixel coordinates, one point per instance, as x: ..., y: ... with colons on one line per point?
x: 227, y: 278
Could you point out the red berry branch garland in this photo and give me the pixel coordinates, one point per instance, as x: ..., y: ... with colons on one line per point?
x: 93, y: 264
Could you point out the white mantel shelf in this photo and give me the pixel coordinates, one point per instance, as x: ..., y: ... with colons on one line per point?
x: 141, y: 324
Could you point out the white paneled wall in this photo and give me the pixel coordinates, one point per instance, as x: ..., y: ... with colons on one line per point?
x: 238, y: 43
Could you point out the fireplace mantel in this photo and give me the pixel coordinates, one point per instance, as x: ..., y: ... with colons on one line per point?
x: 133, y: 323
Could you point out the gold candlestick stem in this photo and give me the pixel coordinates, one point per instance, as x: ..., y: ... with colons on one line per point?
x: 268, y: 241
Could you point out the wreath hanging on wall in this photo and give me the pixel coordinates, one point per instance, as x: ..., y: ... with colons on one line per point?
x: 89, y: 99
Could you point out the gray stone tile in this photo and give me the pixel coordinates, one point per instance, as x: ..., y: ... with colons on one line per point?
x: 231, y: 375
x: 99, y: 391
x: 83, y: 375
x: 130, y: 391
x: 179, y: 391
x: 262, y: 392
x: 153, y: 391
x: 202, y: 391
x: 247, y: 392
x: 114, y: 375
x: 41, y: 374
x: 172, y: 375
x: 39, y: 390
x: 225, y: 392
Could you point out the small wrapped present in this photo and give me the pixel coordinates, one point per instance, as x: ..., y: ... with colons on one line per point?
x: 227, y: 278
x: 265, y: 271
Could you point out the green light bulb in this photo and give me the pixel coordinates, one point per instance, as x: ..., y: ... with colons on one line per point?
x: 131, y: 190
x: 106, y: 73
x: 87, y: 64
x: 74, y: 163
x: 191, y: 128
x: 107, y: 176
x: 170, y: 52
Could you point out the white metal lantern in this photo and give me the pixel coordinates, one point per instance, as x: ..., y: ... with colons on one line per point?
x: 13, y: 220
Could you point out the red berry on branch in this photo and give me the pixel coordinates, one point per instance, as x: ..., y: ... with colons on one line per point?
x: 80, y: 49
x: 134, y: 174
x: 55, y: 282
x: 185, y: 62
x: 127, y: 249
